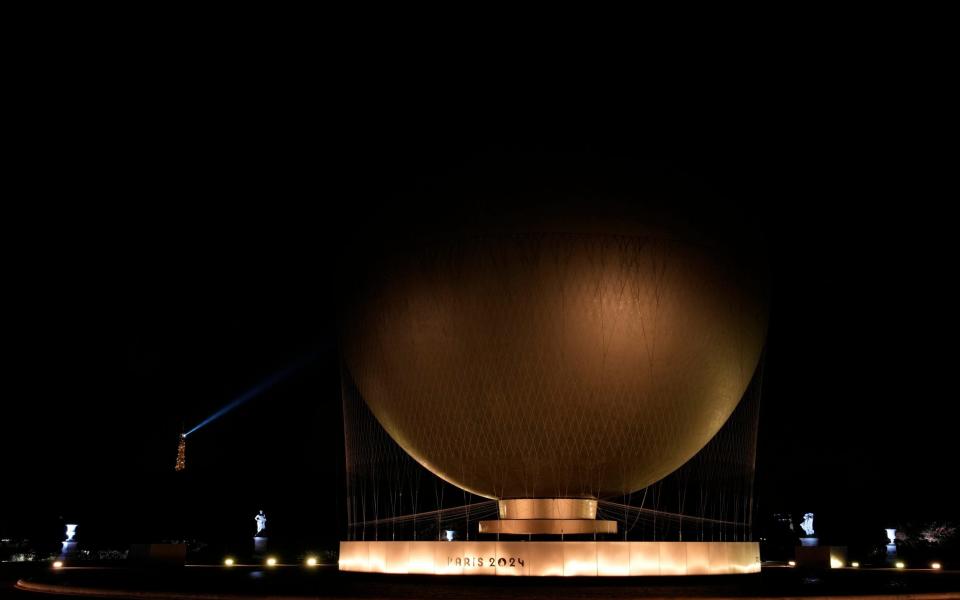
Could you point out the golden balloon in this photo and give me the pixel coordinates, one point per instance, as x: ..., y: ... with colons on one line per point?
x: 556, y: 364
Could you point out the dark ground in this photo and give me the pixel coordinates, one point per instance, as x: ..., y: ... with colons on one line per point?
x: 326, y: 582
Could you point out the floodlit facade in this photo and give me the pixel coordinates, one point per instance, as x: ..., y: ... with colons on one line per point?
x: 580, y: 558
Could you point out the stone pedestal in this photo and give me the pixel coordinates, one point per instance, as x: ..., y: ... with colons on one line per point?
x: 68, y: 549
x: 821, y: 557
x: 892, y: 546
x: 259, y: 546
x: 551, y: 558
x: 551, y: 516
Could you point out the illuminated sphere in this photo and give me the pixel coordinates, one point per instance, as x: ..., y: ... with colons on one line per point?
x: 575, y: 358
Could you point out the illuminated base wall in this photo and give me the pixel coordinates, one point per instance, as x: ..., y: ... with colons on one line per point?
x: 551, y: 558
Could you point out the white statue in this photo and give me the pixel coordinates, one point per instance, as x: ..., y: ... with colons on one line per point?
x: 807, y: 524
x: 261, y: 520
x: 71, y: 531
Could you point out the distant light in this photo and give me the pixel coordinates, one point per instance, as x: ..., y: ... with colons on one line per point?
x: 271, y: 562
x: 935, y: 565
x: 836, y: 563
x: 855, y: 565
x: 792, y: 563
x: 228, y: 562
x: 900, y: 565
x: 311, y: 562
x: 57, y: 564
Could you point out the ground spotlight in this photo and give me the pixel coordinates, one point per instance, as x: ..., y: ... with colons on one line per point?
x: 935, y: 565
x: 900, y: 565
x: 311, y: 562
x: 271, y: 562
x: 58, y: 564
x: 836, y: 563
x: 228, y: 562
x: 855, y: 564
x: 792, y: 563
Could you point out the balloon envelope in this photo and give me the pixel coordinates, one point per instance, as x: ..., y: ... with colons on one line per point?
x: 555, y: 364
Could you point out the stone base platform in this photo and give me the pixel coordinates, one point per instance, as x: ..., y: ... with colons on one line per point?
x: 553, y: 558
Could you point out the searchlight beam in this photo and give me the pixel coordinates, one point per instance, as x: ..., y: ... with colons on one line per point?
x: 255, y: 391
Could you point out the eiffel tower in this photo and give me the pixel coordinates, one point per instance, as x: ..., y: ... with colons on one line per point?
x: 181, y: 454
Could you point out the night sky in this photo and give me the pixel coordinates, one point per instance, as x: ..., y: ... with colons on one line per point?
x: 165, y: 264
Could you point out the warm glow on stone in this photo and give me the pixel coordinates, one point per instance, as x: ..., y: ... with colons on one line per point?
x: 551, y: 558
